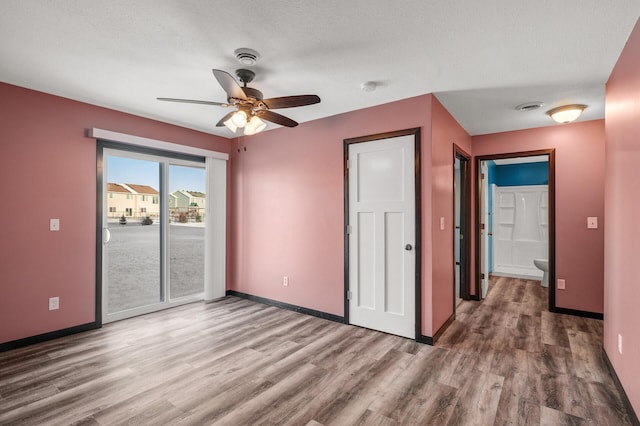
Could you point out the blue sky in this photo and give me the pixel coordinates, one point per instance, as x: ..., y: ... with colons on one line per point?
x: 142, y: 172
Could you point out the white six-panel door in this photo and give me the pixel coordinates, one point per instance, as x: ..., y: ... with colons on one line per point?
x: 382, y: 256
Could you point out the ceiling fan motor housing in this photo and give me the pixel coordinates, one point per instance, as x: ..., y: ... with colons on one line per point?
x: 245, y: 76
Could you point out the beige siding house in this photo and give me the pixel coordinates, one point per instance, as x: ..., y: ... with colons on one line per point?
x: 132, y: 200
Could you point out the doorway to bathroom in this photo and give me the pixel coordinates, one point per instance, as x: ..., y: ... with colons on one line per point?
x: 515, y: 219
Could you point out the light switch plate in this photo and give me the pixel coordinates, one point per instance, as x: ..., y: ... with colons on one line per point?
x: 592, y: 223
x: 54, y: 303
x: 54, y: 224
x: 442, y: 223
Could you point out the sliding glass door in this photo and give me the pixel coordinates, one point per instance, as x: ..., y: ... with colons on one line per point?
x: 186, y: 230
x: 153, y: 212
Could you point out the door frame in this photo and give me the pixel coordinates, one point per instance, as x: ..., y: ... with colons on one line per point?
x: 552, y: 216
x: 418, y: 218
x: 465, y: 223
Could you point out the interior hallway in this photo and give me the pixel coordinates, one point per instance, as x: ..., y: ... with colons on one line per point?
x: 503, y: 361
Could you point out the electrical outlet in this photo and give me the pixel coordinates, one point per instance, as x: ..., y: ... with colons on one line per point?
x: 620, y: 344
x: 54, y: 303
x: 285, y: 281
x: 561, y: 284
x: 54, y: 224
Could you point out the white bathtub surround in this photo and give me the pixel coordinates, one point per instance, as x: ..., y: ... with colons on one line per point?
x: 520, y: 230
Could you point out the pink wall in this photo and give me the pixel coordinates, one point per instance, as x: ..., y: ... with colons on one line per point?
x: 48, y: 170
x: 445, y: 132
x: 622, y: 207
x: 288, y: 207
x: 285, y: 200
x: 579, y: 194
x: 288, y: 189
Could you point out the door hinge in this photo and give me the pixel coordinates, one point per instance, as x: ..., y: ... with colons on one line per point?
x: 482, y: 276
x: 481, y: 175
x: 349, y: 295
x: 348, y: 229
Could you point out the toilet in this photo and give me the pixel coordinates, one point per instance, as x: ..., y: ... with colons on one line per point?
x: 543, y: 265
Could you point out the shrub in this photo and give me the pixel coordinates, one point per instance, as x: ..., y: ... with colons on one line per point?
x: 147, y: 221
x: 123, y: 220
x: 182, y: 218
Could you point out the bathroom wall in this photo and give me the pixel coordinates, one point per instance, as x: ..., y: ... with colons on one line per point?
x: 512, y: 175
x: 521, y: 231
x: 521, y: 174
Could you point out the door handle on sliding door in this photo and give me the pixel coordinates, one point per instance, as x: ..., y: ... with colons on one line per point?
x: 106, y: 235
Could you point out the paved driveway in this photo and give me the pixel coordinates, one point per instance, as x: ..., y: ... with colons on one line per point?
x: 133, y: 263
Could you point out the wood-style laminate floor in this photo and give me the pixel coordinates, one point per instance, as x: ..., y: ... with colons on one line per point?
x: 236, y: 362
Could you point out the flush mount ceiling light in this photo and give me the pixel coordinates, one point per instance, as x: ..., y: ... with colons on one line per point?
x: 566, y: 113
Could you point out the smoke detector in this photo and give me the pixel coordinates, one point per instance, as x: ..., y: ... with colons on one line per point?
x: 246, y: 56
x: 529, y: 106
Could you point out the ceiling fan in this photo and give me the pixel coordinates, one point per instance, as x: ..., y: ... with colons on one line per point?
x: 250, y: 107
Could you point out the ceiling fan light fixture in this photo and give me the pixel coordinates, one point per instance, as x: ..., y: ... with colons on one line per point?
x: 239, y: 119
x: 229, y: 124
x: 249, y: 102
x: 255, y: 125
x: 566, y: 113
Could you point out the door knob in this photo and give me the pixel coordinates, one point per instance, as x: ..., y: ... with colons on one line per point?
x: 408, y: 247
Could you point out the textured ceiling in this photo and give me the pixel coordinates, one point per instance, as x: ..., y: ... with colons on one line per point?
x: 480, y: 58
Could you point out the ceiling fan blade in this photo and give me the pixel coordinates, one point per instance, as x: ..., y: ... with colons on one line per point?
x: 229, y: 84
x: 193, y: 101
x: 274, y: 117
x: 291, y: 101
x: 225, y: 118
